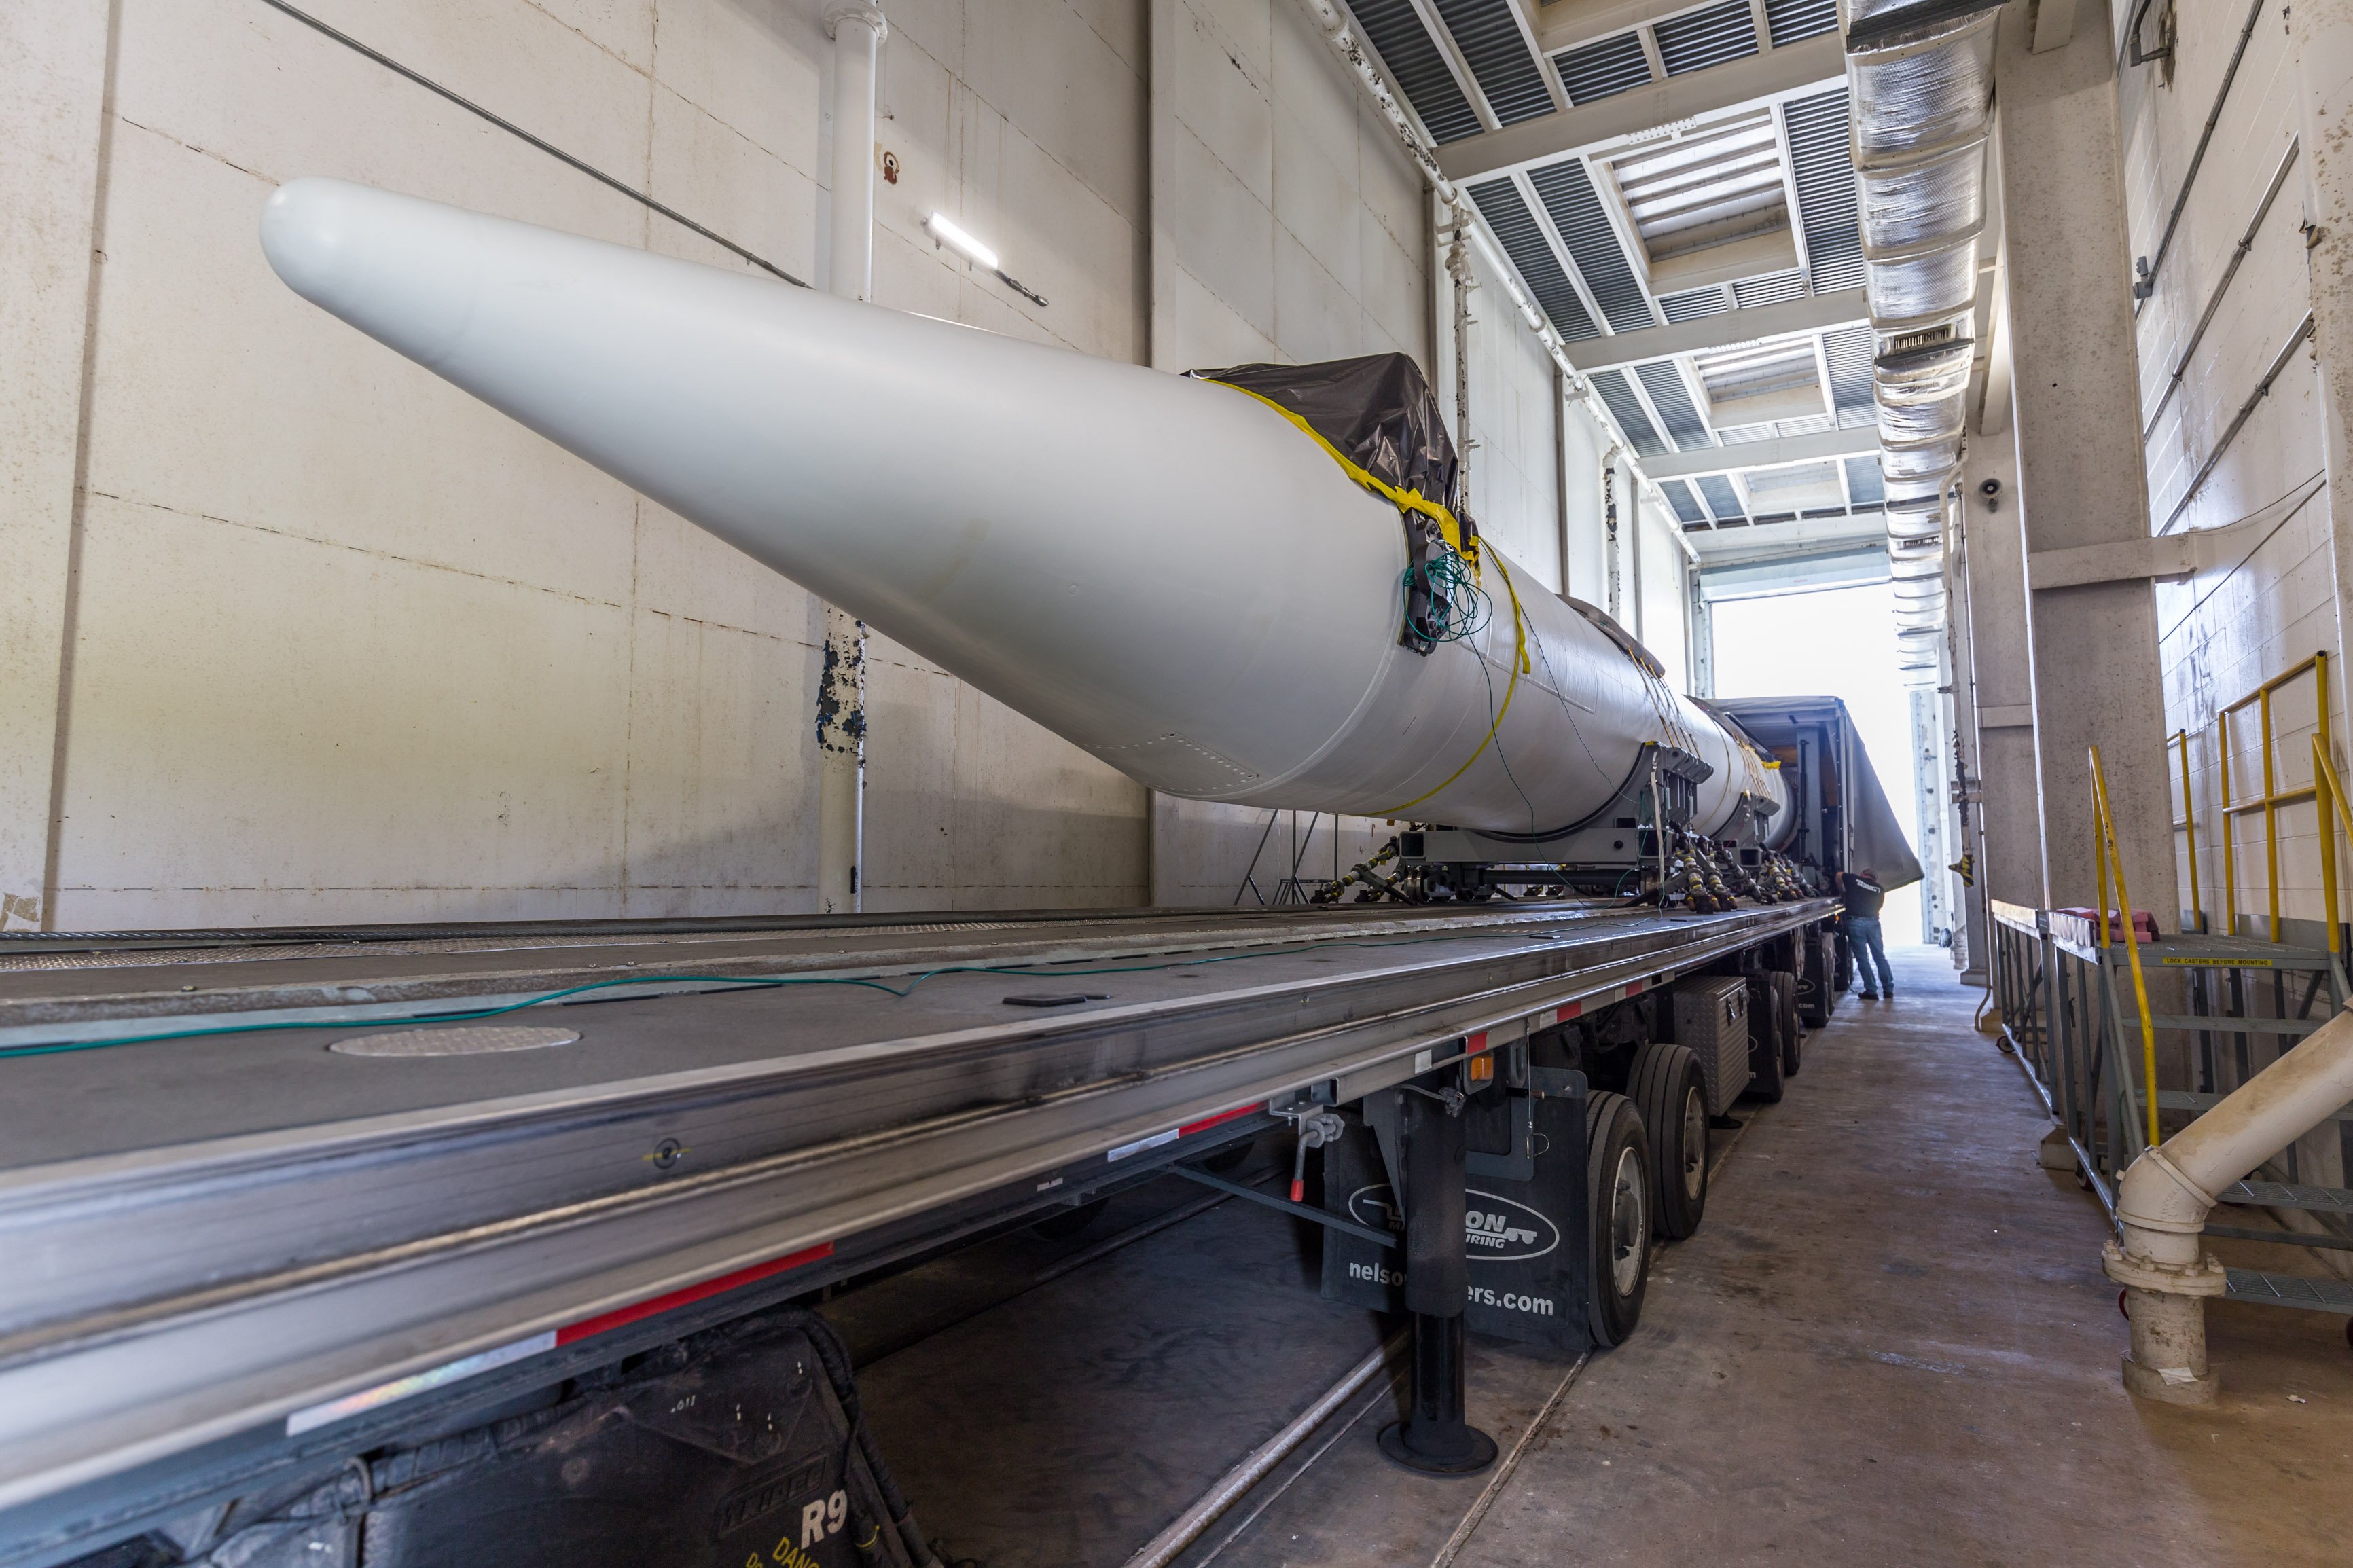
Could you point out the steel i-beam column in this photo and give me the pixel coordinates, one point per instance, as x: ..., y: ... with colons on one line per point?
x: 857, y: 30
x: 2080, y: 482
x: 1433, y: 1437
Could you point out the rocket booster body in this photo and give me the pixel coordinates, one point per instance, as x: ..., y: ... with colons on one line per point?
x: 1038, y: 522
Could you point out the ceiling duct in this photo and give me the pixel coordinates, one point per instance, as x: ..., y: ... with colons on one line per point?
x: 1920, y: 84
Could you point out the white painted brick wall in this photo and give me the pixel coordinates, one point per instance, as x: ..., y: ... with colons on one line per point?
x: 2272, y: 603
x: 350, y: 645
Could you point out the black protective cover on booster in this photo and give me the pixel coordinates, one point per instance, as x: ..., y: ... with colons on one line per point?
x: 1376, y: 411
x: 1526, y: 1236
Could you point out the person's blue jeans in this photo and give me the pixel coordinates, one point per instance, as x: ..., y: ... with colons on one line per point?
x: 1864, y: 942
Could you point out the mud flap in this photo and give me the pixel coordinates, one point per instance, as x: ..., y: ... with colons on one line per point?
x: 1525, y: 1224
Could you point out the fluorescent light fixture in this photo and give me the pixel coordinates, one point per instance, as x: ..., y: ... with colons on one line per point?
x: 949, y: 235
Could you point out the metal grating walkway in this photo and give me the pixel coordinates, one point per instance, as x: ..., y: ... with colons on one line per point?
x: 2289, y: 1291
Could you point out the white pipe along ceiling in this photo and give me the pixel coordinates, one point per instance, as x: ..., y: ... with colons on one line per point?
x: 1226, y: 630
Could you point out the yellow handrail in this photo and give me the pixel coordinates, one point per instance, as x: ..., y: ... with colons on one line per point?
x: 2189, y: 824
x: 2109, y: 860
x: 2332, y: 792
x: 2273, y: 797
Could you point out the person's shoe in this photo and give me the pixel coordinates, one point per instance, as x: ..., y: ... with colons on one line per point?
x: 1870, y: 995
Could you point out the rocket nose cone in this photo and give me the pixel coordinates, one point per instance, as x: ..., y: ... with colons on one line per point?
x: 398, y: 268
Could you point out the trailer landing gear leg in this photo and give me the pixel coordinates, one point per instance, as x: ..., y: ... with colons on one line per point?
x: 1433, y: 1439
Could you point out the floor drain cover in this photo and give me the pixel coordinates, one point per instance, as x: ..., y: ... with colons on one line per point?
x: 463, y: 1042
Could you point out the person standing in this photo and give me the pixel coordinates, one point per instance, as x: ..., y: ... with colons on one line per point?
x: 1860, y: 895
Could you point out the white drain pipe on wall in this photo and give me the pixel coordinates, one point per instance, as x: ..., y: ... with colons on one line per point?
x: 857, y: 31
x: 2162, y: 1204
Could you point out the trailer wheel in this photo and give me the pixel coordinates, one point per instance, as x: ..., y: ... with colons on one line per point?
x: 1617, y: 1199
x: 1785, y: 1013
x: 1765, y: 1075
x: 1815, y: 996
x: 1667, y: 1088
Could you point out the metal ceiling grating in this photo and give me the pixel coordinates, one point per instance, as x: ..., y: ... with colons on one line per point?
x: 1704, y: 188
x: 1722, y: 499
x: 1698, y: 39
x: 1688, y: 510
x: 1740, y: 434
x: 1803, y: 488
x: 1848, y: 352
x: 1627, y: 409
x: 1411, y: 55
x: 1673, y: 399
x: 1862, y: 481
x: 1768, y: 290
x: 1566, y: 192
x: 1692, y: 305
x: 1524, y: 241
x: 1790, y: 20
x: 1488, y: 33
x: 1604, y: 68
x: 1823, y: 170
x: 1781, y: 376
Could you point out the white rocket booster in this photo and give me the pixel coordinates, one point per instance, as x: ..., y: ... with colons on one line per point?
x: 1040, y: 523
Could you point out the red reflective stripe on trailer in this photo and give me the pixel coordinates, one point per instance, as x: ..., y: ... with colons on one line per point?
x: 1636, y: 989
x: 573, y: 1333
x: 1223, y: 1116
x: 1476, y: 1043
x: 1571, y: 1011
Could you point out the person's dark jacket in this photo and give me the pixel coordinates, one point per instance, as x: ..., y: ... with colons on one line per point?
x: 1860, y: 899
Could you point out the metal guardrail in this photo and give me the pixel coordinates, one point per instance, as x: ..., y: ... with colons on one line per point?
x: 2056, y: 987
x: 2274, y: 796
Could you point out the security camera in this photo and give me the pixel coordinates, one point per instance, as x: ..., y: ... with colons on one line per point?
x: 1990, y: 488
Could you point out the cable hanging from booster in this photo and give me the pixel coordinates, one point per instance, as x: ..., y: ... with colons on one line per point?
x: 1443, y: 600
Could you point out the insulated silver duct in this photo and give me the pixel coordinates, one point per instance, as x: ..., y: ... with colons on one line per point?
x: 1920, y: 79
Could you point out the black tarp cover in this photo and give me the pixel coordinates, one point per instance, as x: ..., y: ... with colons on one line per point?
x: 1377, y: 417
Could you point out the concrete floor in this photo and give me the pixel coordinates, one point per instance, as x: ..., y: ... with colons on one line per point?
x: 1891, y: 1341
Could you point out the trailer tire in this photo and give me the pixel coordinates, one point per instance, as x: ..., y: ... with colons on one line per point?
x: 1666, y: 1087
x: 1785, y: 1013
x: 1764, y: 1076
x: 1617, y: 1205
x: 1815, y: 995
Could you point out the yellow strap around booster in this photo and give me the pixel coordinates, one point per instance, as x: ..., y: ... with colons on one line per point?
x: 1519, y: 666
x: 1404, y: 500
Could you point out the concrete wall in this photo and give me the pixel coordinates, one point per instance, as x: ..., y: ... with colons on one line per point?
x: 1584, y: 444
x: 1657, y: 600
x: 1287, y: 226
x: 1515, y: 456
x: 2272, y: 600
x: 291, y: 631
x: 343, y: 643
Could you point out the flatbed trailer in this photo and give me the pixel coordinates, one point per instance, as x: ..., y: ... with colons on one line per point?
x: 236, y: 1257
